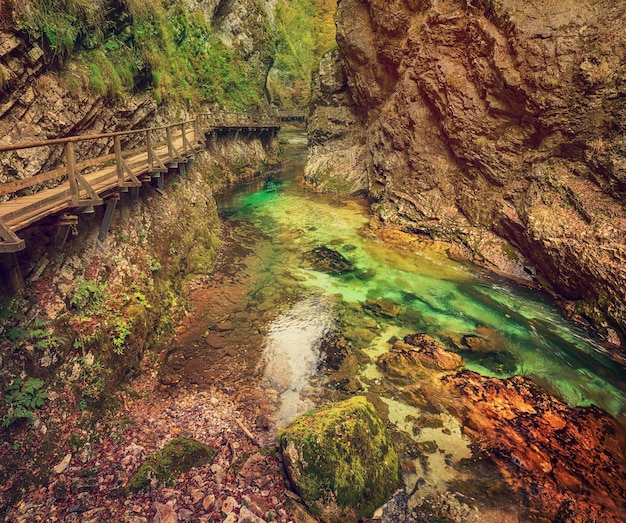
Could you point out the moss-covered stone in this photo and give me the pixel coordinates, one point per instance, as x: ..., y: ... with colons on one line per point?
x: 179, y: 455
x: 340, y: 459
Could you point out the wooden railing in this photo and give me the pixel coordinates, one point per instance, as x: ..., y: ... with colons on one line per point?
x: 292, y: 115
x: 155, y: 150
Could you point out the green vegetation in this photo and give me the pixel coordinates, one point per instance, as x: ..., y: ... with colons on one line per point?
x: 89, y: 385
x: 115, y: 48
x: 22, y: 399
x: 305, y: 31
x: 93, y: 307
x: 87, y: 297
x: 179, y: 455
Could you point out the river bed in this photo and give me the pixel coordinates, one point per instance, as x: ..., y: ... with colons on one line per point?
x: 307, y: 298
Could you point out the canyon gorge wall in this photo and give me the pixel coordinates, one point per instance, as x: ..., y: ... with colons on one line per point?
x: 496, y: 123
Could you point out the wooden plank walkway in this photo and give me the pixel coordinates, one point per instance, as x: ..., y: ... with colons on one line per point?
x: 110, y: 173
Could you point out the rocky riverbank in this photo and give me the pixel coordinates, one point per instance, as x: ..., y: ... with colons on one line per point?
x: 95, y: 309
x: 243, y: 483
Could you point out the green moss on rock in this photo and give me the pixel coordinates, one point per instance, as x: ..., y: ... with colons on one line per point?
x: 340, y: 459
x: 179, y: 455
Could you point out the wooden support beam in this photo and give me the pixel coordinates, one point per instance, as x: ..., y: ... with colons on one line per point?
x: 117, y: 147
x: 187, y: 148
x: 11, y: 241
x: 185, y: 142
x: 61, y: 236
x: 172, y: 153
x: 151, y: 154
x: 197, y: 132
x: 93, y: 198
x: 108, y: 216
x: 122, y: 167
x: 78, y: 182
x: 154, y: 157
x: 161, y: 184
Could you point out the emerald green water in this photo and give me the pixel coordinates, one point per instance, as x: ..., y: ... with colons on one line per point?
x: 520, y: 330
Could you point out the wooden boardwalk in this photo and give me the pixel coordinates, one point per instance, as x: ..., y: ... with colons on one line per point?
x: 112, y: 173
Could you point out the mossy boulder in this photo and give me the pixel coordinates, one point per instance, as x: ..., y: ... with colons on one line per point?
x: 340, y: 460
x: 179, y: 455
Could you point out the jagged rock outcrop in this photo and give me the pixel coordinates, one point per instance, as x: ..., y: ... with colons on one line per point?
x: 491, y: 119
x: 532, y: 437
x: 337, y: 152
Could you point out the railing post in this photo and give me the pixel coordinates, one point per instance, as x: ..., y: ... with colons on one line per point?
x: 70, y: 161
x: 183, y: 132
x: 195, y: 130
x: 117, y: 146
x: 149, y: 148
x: 170, y: 146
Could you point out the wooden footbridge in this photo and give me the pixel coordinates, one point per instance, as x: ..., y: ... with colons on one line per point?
x: 78, y: 185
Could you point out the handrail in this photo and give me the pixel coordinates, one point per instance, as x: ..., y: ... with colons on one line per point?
x: 83, y: 138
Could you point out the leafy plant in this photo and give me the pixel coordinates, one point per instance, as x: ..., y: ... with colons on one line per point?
x: 155, y: 264
x: 89, y: 386
x: 122, y: 329
x: 38, y: 336
x: 22, y: 399
x: 87, y: 297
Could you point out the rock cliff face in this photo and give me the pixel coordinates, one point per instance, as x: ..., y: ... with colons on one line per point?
x: 337, y: 144
x: 486, y: 120
x: 37, y: 105
x: 36, y: 102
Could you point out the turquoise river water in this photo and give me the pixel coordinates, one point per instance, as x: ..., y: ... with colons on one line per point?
x: 438, y: 296
x: 520, y: 330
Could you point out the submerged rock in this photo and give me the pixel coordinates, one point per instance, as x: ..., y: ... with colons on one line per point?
x: 410, y: 358
x: 383, y: 308
x: 179, y: 455
x: 327, y: 260
x: 341, y: 460
x: 334, y: 348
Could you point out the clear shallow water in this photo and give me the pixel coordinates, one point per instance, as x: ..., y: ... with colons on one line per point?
x: 519, y: 331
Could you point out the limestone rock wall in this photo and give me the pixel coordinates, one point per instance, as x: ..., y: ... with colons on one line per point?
x: 245, y: 24
x: 337, y: 150
x: 503, y: 117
